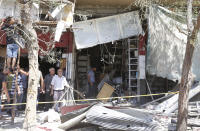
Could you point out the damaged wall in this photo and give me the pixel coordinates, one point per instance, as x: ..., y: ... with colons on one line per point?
x: 167, y: 43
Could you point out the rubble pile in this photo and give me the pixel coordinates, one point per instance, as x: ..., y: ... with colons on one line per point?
x: 153, y: 116
x: 114, y: 118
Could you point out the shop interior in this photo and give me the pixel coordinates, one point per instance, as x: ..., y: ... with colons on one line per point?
x: 112, y: 63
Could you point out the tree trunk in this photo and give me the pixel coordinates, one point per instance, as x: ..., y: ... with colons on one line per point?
x: 186, y: 79
x: 33, y: 48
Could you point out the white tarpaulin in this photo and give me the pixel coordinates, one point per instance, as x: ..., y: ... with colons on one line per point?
x: 69, y: 67
x: 167, y: 43
x: 64, y: 13
x: 103, y: 30
x: 142, y: 73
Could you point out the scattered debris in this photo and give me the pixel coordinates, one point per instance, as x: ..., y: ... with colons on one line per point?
x: 171, y: 104
x: 66, y: 12
x: 49, y: 116
x: 73, y: 122
x: 115, y: 120
x: 109, y: 117
x: 116, y: 117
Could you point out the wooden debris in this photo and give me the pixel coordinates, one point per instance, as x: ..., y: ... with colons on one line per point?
x: 71, y: 123
x: 171, y: 104
x: 105, y: 92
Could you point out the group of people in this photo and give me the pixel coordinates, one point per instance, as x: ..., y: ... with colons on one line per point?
x: 52, y: 86
x: 13, y: 79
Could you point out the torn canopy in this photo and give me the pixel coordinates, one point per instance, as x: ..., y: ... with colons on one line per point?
x: 103, y: 30
x: 64, y: 13
x: 167, y: 44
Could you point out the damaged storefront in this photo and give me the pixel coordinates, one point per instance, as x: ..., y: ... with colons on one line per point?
x: 111, y: 44
x: 165, y: 52
x: 55, y: 45
x: 122, y: 64
x: 116, y: 45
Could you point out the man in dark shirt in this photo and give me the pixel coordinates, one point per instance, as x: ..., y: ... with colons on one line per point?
x: 3, y: 89
x: 19, y: 89
x: 11, y: 36
x: 91, y: 82
x: 25, y: 85
x: 47, y: 83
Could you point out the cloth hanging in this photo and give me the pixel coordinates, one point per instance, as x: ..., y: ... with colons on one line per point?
x: 167, y: 44
x: 107, y: 29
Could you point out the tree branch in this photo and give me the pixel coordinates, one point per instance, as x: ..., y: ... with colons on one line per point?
x: 196, y: 29
x: 189, y: 16
x: 23, y: 1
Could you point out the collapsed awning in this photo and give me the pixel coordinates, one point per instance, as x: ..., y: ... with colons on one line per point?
x: 103, y: 30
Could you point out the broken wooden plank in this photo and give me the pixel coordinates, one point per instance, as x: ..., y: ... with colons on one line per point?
x: 171, y: 104
x: 193, y: 92
x: 71, y: 123
x: 105, y: 92
x: 159, y: 99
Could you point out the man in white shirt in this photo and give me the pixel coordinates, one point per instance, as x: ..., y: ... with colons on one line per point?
x: 58, y: 84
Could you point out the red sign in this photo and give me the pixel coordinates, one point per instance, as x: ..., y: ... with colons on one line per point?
x: 142, y: 50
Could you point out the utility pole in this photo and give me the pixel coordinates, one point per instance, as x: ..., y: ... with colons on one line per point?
x: 186, y: 79
x: 32, y: 45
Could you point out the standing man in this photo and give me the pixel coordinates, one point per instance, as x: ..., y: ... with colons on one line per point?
x: 25, y: 86
x: 40, y: 90
x: 12, y: 48
x: 9, y: 78
x: 47, y: 84
x: 58, y: 83
x: 40, y: 81
x: 91, y: 82
x: 17, y: 84
x: 4, y: 89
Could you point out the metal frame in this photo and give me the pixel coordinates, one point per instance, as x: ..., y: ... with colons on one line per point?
x: 130, y: 63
